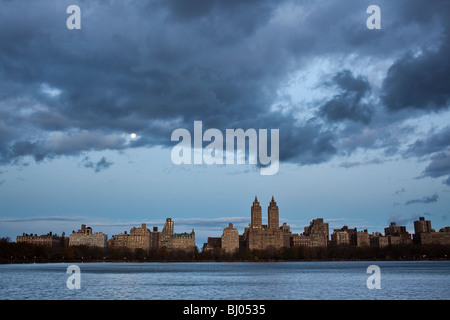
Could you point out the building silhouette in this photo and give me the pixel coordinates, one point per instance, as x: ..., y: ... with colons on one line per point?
x: 257, y: 236
x: 314, y: 235
x: 423, y: 234
x: 86, y: 237
x: 138, y: 238
x: 49, y: 239
x: 213, y: 243
x: 230, y: 239
x: 143, y: 238
x: 397, y: 234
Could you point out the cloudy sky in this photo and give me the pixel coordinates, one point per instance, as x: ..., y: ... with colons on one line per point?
x: 363, y: 115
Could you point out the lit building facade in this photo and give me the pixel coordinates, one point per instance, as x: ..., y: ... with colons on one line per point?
x: 86, y: 237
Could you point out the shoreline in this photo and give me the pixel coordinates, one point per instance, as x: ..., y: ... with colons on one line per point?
x: 23, y: 253
x: 217, y: 261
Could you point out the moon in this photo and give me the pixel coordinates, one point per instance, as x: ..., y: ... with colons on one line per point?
x: 133, y: 135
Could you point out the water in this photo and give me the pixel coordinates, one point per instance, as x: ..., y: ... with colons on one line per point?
x: 428, y: 280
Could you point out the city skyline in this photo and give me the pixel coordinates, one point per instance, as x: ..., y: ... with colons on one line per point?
x: 204, y: 227
x: 87, y: 114
x: 277, y: 224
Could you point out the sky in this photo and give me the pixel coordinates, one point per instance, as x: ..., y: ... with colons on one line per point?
x: 363, y: 114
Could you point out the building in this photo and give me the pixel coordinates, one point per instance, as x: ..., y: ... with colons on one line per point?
x: 119, y: 240
x: 287, y: 235
x: 340, y: 237
x: 49, y: 240
x: 259, y: 236
x: 378, y: 240
x: 318, y: 230
x: 181, y: 241
x: 315, y: 235
x: 143, y: 238
x: 362, y: 238
x: 353, y: 237
x: 435, y: 238
x: 423, y: 234
x: 213, y: 243
x: 394, y: 235
x: 422, y: 225
x: 344, y: 236
x: 86, y: 237
x: 230, y: 239
x: 154, y: 239
x: 138, y: 238
x: 166, y: 235
x: 397, y: 234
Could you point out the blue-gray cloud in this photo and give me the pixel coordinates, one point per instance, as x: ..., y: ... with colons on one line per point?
x: 434, y: 142
x: 426, y: 199
x: 438, y: 167
x: 41, y: 218
x: 98, y: 166
x: 402, y: 220
x: 348, y: 103
x: 168, y: 63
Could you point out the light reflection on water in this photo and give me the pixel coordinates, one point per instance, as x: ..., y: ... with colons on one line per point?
x: 400, y: 280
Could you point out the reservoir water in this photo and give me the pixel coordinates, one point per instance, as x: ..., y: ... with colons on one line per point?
x: 399, y: 280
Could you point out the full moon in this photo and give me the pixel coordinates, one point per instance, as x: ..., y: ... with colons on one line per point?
x: 133, y: 136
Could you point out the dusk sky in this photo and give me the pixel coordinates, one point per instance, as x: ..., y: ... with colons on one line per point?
x: 363, y: 114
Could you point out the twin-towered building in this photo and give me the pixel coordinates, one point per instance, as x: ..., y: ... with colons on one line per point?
x: 258, y: 236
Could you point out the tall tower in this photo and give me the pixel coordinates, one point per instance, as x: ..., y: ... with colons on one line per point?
x: 256, y: 221
x: 422, y: 225
x: 167, y: 232
x: 230, y: 239
x: 274, y: 222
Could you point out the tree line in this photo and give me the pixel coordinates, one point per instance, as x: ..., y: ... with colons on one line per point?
x: 12, y: 252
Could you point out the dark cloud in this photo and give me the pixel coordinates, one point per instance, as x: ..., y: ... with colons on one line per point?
x: 426, y: 199
x: 100, y: 165
x: 224, y: 20
x: 348, y: 104
x: 168, y: 63
x: 307, y: 144
x: 420, y: 78
x: 438, y: 167
x: 34, y: 219
x: 419, y: 82
x: 66, y: 144
x: 434, y: 142
x: 350, y: 164
x: 447, y: 181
